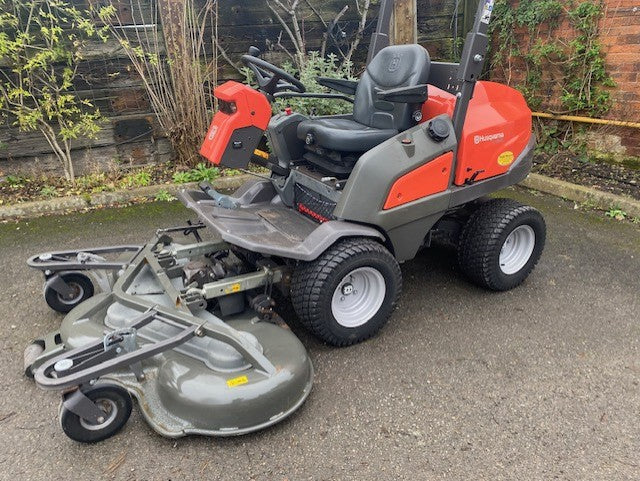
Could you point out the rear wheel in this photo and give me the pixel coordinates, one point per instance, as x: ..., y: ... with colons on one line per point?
x: 81, y: 289
x: 348, y: 293
x: 501, y: 243
x: 116, y: 404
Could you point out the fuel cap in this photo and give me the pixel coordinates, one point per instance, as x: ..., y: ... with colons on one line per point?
x: 438, y: 130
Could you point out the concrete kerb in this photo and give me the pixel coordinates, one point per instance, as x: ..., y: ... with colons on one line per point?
x: 585, y: 195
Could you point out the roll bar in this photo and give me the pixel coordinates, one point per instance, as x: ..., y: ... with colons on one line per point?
x: 472, y: 60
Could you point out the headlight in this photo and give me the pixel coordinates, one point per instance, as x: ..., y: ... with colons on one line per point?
x: 228, y: 108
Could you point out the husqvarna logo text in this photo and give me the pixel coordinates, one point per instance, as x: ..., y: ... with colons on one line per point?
x: 478, y: 139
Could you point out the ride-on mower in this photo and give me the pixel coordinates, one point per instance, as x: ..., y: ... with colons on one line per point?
x: 190, y: 330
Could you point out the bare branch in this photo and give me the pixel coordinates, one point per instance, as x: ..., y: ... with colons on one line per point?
x: 361, y: 26
x: 279, y: 44
x: 327, y: 33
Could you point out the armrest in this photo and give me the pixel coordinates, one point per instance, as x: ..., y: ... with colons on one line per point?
x: 416, y: 94
x: 339, y: 85
x: 311, y: 95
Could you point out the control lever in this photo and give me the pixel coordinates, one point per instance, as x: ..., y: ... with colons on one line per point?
x: 221, y: 200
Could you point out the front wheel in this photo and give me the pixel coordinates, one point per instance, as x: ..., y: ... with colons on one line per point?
x: 348, y: 293
x: 501, y: 243
x: 81, y: 289
x: 116, y: 404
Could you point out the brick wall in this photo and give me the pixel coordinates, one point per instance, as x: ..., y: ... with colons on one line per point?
x: 620, y: 37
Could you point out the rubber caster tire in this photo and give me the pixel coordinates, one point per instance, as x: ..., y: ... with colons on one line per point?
x: 114, y: 400
x: 83, y: 290
x: 31, y: 353
x: 348, y: 293
x: 501, y: 244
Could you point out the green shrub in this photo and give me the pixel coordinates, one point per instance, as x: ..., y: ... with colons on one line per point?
x: 41, y: 46
x: 138, y: 179
x: 91, y: 181
x: 315, y: 66
x: 200, y: 173
x: 164, y: 196
x: 616, y: 213
x: 15, y: 180
x: 49, y: 191
x: 181, y: 177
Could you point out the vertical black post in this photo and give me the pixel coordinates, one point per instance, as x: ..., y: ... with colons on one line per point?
x: 472, y: 62
x: 381, y: 37
x: 470, y: 7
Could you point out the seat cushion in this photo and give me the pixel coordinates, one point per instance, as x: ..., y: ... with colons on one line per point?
x: 343, y: 135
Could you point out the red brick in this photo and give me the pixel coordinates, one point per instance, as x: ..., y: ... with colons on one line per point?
x: 624, y: 77
x: 620, y: 38
x: 624, y: 48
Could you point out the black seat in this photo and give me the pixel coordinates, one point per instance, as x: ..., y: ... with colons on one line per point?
x: 373, y: 121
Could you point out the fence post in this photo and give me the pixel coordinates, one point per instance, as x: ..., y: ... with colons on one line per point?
x: 470, y: 8
x: 405, y: 22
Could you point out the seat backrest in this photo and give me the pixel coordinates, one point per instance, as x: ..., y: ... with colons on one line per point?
x: 394, y: 66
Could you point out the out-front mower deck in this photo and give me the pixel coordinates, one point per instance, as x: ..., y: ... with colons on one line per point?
x: 164, y: 347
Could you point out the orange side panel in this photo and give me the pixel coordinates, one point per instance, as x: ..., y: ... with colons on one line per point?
x: 496, y: 131
x: 424, y: 181
x: 252, y: 110
x: 438, y: 103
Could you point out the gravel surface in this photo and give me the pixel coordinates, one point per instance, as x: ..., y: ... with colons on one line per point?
x: 538, y: 383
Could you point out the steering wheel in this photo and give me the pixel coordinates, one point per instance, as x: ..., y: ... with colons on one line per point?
x: 272, y: 79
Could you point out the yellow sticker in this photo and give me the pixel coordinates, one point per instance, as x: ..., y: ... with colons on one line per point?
x: 237, y: 381
x: 261, y: 153
x: 506, y: 158
x: 233, y: 288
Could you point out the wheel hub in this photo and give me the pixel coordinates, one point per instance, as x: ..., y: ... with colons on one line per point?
x: 358, y: 297
x: 76, y: 292
x: 110, y: 410
x: 517, y: 249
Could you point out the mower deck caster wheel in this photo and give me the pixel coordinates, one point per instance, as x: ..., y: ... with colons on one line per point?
x: 82, y: 289
x: 116, y: 404
x: 348, y: 293
x: 30, y: 355
x: 501, y: 243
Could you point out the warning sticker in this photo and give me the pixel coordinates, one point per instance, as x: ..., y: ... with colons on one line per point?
x: 261, y: 153
x: 487, y: 11
x: 212, y: 132
x: 237, y: 381
x: 506, y: 158
x: 233, y: 288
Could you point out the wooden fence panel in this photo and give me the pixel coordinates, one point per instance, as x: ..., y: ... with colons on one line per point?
x: 131, y: 134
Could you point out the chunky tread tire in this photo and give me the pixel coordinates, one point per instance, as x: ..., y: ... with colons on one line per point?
x: 72, y: 424
x: 484, y: 235
x: 313, y: 284
x: 53, y: 299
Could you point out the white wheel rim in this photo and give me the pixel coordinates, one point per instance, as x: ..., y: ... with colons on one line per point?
x: 78, y: 292
x: 110, y: 410
x: 358, y: 297
x: 517, y: 249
